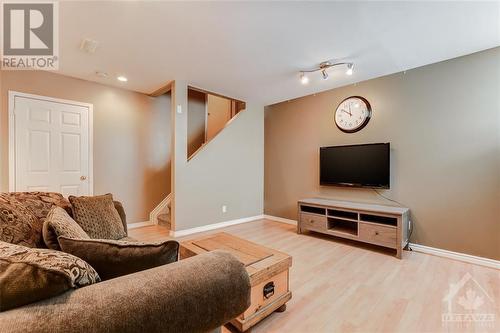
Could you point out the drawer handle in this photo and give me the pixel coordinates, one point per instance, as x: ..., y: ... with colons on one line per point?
x: 311, y: 221
x: 268, y: 290
x: 376, y: 233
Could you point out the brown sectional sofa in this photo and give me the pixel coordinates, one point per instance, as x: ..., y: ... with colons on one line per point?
x: 198, y: 294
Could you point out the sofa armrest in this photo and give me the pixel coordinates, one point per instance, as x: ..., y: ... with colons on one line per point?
x: 121, y: 211
x: 193, y: 295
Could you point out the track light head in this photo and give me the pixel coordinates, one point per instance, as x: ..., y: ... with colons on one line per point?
x: 303, y: 78
x: 325, y: 74
x: 350, y: 68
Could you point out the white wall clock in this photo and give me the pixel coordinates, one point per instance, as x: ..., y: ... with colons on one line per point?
x: 352, y: 114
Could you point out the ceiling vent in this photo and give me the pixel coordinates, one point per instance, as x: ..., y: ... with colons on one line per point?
x: 89, y: 45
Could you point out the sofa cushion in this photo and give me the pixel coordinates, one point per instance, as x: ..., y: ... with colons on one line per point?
x: 18, y: 224
x: 113, y: 258
x: 98, y: 216
x: 59, y: 223
x: 28, y: 275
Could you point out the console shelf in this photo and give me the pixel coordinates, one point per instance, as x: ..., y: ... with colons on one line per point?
x: 376, y: 224
x: 343, y: 226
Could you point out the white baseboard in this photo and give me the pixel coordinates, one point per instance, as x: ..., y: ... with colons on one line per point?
x: 425, y: 249
x: 209, y: 227
x: 138, y: 225
x: 415, y: 247
x: 456, y: 256
x: 280, y: 219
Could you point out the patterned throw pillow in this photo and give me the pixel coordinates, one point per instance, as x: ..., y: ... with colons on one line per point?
x: 113, y: 258
x: 28, y: 275
x: 40, y: 203
x: 22, y: 215
x: 18, y: 224
x: 98, y: 216
x: 59, y: 223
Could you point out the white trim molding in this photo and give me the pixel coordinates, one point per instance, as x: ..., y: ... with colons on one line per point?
x: 136, y: 225
x: 219, y: 225
x: 280, y: 219
x: 415, y: 247
x: 425, y: 249
x: 213, y: 226
x: 160, y: 209
x: 492, y: 263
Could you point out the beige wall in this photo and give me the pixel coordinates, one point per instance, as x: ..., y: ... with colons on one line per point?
x: 443, y: 123
x: 131, y: 137
x: 229, y: 170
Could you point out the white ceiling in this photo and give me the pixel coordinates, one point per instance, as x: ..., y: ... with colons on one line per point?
x: 254, y: 50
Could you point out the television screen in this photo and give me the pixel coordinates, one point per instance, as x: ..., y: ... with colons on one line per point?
x: 365, y: 165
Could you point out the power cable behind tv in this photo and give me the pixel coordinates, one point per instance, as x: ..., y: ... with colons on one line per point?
x: 410, y: 226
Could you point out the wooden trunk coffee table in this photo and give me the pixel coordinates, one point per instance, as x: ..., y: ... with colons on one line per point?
x: 267, y: 268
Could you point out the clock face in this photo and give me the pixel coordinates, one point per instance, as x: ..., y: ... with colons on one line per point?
x: 352, y: 114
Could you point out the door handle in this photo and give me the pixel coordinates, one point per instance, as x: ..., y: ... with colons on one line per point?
x: 82, y: 178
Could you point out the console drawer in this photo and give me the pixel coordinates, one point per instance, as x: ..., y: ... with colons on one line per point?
x: 313, y: 222
x: 377, y: 234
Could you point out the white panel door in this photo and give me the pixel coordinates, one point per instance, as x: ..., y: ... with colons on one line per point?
x: 51, y: 145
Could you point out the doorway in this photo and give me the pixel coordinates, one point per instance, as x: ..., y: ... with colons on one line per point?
x: 50, y: 145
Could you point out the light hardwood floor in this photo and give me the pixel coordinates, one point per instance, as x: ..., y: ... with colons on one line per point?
x: 342, y: 286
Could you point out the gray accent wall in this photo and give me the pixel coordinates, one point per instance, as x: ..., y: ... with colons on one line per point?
x: 229, y: 170
x: 443, y: 123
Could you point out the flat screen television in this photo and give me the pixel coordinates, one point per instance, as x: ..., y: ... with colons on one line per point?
x: 366, y: 165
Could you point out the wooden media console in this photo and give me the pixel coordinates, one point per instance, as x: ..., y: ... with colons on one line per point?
x: 381, y: 225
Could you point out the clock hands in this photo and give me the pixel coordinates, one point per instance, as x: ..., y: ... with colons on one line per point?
x: 349, y: 113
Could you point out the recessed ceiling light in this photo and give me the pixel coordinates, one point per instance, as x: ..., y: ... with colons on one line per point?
x: 122, y: 78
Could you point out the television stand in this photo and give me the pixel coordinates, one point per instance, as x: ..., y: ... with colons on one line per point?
x: 381, y: 225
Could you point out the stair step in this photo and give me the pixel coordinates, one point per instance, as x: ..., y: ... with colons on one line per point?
x: 164, y: 219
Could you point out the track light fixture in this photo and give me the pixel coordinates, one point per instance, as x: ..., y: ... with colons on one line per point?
x: 323, y: 68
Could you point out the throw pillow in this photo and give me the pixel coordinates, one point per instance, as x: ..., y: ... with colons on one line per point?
x: 23, y: 213
x: 59, y: 223
x: 28, y: 275
x: 18, y: 224
x: 98, y: 216
x: 40, y: 203
x: 112, y: 258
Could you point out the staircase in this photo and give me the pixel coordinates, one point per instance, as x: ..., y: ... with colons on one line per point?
x: 164, y: 219
x: 161, y: 214
x: 208, y: 115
